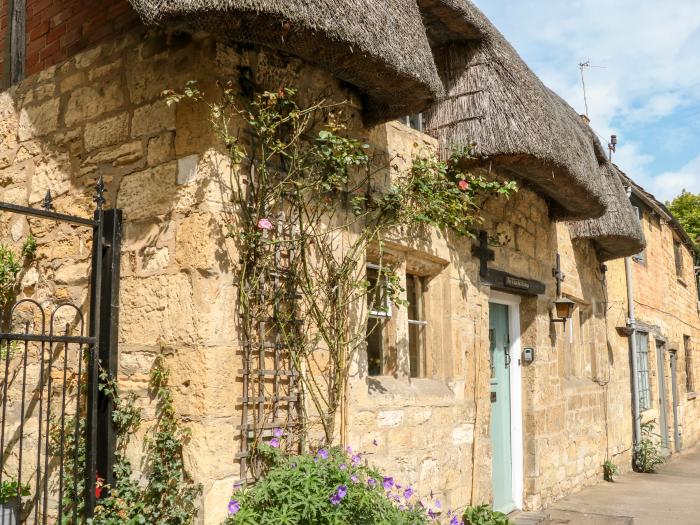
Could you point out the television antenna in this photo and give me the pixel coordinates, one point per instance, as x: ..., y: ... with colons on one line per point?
x: 586, y: 65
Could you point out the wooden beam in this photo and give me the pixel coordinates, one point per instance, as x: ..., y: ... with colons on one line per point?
x: 18, y: 33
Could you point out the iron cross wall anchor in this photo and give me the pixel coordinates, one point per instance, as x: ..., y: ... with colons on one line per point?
x: 484, y: 253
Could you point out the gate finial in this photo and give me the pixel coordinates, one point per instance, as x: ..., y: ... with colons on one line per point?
x: 47, y: 204
x: 99, y: 197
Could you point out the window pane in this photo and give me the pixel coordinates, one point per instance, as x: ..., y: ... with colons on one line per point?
x: 375, y: 344
x: 377, y: 300
x: 416, y: 325
x: 413, y: 350
x: 678, y: 253
x: 643, y: 370
x: 689, y: 379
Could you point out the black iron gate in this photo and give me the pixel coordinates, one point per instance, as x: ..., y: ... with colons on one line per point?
x: 56, y: 435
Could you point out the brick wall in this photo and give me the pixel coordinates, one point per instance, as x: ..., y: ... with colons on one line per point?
x: 57, y: 29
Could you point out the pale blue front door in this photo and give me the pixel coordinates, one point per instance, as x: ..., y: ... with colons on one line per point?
x: 500, y: 409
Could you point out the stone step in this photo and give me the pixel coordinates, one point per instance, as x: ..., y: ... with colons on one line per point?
x: 529, y: 518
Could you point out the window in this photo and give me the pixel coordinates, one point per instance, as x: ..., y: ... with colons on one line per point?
x: 398, y: 338
x: 643, y: 371
x: 379, y: 308
x: 641, y: 257
x: 413, y: 121
x: 689, y: 380
x: 416, y: 324
x: 678, y: 255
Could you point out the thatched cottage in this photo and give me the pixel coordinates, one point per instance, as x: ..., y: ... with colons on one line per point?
x: 492, y: 398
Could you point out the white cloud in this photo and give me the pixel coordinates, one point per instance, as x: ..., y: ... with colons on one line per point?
x: 669, y: 184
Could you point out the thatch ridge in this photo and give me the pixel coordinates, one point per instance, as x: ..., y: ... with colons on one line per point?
x: 495, y: 101
x: 379, y: 47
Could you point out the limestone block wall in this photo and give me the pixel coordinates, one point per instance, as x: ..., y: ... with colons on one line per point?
x: 666, y: 306
x: 100, y: 113
x: 434, y: 432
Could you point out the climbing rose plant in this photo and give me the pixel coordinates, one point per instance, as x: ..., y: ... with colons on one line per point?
x: 303, y: 186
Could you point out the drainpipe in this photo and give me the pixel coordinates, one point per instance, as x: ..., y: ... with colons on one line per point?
x: 632, y: 326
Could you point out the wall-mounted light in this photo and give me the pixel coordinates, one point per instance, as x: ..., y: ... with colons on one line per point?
x: 563, y: 307
x: 563, y: 310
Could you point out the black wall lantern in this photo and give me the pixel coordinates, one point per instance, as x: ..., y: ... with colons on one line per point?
x: 563, y: 307
x: 564, y: 310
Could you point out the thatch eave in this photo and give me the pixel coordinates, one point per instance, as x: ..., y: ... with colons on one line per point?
x: 380, y: 48
x: 618, y: 233
x: 496, y: 102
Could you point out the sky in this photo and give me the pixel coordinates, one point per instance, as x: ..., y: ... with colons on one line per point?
x: 645, y: 86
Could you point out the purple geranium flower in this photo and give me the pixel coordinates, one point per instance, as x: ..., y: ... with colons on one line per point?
x: 278, y: 432
x: 339, y: 494
x: 454, y: 521
x: 274, y: 443
x: 233, y: 506
x: 387, y: 483
x: 356, y: 460
x: 353, y: 478
x: 371, y: 482
x: 322, y: 453
x: 343, y: 466
x: 408, y: 493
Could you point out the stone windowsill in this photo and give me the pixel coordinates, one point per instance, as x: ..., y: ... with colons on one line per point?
x: 692, y: 395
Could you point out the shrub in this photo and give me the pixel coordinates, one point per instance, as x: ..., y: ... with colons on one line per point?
x: 484, y: 515
x: 610, y: 470
x: 329, y: 487
x: 12, y: 489
x: 647, y: 455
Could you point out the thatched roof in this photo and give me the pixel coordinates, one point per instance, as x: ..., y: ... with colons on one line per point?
x: 617, y: 233
x: 496, y: 102
x: 380, y: 47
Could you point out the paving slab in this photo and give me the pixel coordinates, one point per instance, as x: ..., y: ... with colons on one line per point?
x: 670, y: 496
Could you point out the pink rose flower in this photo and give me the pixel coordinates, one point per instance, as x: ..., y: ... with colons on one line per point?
x: 264, y: 224
x: 463, y: 185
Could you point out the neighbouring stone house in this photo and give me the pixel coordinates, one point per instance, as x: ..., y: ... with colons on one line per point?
x: 481, y: 396
x: 664, y: 286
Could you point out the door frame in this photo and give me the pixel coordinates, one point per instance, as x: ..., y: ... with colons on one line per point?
x: 516, y: 402
x: 661, y: 387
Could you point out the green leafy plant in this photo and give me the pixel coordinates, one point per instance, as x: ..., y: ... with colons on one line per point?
x: 647, y: 453
x: 484, y: 515
x: 167, y: 496
x: 610, y: 470
x: 330, y: 486
x: 11, y: 489
x: 10, y: 267
x: 686, y: 208
x: 29, y: 248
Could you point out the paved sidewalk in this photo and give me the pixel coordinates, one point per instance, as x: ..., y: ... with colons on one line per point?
x: 669, y: 497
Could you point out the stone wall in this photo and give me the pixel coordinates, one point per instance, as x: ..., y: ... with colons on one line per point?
x: 666, y: 307
x: 575, y: 396
x: 101, y: 113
